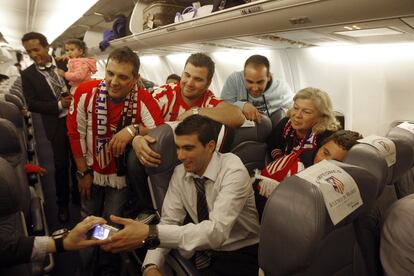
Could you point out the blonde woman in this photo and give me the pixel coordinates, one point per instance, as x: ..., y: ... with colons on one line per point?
x: 308, y: 123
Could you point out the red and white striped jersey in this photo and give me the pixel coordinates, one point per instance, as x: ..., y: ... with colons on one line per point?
x: 172, y: 104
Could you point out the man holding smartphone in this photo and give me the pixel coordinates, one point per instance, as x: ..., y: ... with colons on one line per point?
x: 211, y: 190
x: 47, y: 93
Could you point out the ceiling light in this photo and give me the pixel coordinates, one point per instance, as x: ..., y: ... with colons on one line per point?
x: 369, y: 32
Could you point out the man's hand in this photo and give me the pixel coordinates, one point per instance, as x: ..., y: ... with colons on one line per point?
x: 61, y: 72
x: 66, y: 101
x: 119, y: 142
x: 153, y: 271
x: 251, y: 113
x: 145, y: 154
x: 76, y: 239
x: 184, y: 115
x: 85, y: 185
x: 129, y: 238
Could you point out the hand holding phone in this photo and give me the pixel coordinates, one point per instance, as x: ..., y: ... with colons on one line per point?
x: 101, y: 232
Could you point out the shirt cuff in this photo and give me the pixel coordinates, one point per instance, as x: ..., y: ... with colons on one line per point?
x: 60, y: 107
x: 156, y: 256
x: 39, y: 249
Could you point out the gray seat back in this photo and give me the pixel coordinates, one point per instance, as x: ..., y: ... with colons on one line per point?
x: 10, y: 150
x: 297, y: 236
x: 249, y: 144
x: 160, y: 176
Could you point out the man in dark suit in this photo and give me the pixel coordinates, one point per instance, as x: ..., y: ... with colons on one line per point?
x: 47, y: 93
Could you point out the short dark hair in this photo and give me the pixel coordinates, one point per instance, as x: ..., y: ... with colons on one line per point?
x: 346, y: 139
x: 205, y: 128
x: 33, y: 35
x: 78, y: 43
x: 174, y: 77
x: 125, y: 54
x: 202, y: 60
x: 258, y: 60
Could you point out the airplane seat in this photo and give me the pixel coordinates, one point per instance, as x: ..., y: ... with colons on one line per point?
x: 249, y: 144
x: 11, y: 112
x: 12, y: 221
x: 159, y: 177
x: 297, y: 236
x: 276, y: 116
x: 368, y: 226
x: 397, y: 243
x: 10, y: 149
x: 404, y: 182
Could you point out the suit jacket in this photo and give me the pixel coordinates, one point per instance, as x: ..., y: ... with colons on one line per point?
x: 40, y: 97
x: 15, y: 250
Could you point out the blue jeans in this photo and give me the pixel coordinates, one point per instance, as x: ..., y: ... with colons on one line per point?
x: 104, y: 201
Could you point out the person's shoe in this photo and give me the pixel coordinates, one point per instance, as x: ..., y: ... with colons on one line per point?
x: 63, y: 214
x: 146, y: 217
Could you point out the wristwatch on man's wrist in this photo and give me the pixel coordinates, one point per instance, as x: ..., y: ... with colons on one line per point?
x: 58, y: 237
x: 152, y: 241
x: 81, y: 174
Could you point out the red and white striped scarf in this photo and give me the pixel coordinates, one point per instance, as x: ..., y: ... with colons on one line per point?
x: 103, y: 161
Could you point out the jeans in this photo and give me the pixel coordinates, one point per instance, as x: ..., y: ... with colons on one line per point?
x: 104, y: 201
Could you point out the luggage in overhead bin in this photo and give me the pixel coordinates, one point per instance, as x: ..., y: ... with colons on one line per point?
x: 179, y: 2
x: 160, y: 13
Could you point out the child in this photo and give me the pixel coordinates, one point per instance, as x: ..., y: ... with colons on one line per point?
x: 80, y: 68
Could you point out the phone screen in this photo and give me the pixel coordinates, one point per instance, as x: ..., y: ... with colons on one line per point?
x: 99, y: 232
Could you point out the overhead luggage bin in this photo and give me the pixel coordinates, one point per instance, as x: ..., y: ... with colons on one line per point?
x: 263, y: 17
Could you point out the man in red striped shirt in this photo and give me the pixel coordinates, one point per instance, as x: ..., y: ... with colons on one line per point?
x: 191, y: 96
x: 178, y: 101
x: 104, y: 118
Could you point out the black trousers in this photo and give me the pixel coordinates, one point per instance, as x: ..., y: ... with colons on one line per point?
x: 241, y: 262
x: 65, y: 167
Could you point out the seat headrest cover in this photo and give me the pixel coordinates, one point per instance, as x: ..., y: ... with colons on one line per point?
x: 9, y: 138
x: 12, y: 113
x: 384, y: 145
x: 295, y: 221
x: 9, y: 200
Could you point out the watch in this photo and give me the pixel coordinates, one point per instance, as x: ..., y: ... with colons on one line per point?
x: 81, y: 174
x: 152, y: 241
x: 195, y: 110
x: 136, y: 127
x: 58, y: 237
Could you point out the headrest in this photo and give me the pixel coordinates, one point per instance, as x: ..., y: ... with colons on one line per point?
x: 164, y: 145
x: 258, y: 133
x: 9, y: 139
x: 277, y: 116
x: 9, y: 200
x: 405, y: 137
x: 12, y: 113
x: 295, y: 220
x: 368, y: 157
x: 15, y: 100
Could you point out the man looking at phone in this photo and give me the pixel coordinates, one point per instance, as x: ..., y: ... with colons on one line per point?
x: 214, y: 191
x: 46, y: 93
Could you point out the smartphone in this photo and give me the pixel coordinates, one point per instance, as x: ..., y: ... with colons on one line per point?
x: 64, y: 94
x: 101, y: 231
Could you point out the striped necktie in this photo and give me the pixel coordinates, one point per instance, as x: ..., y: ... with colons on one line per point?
x: 55, y: 81
x: 202, y: 258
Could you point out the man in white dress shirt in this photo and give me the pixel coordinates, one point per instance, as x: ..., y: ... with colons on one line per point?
x: 213, y: 190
